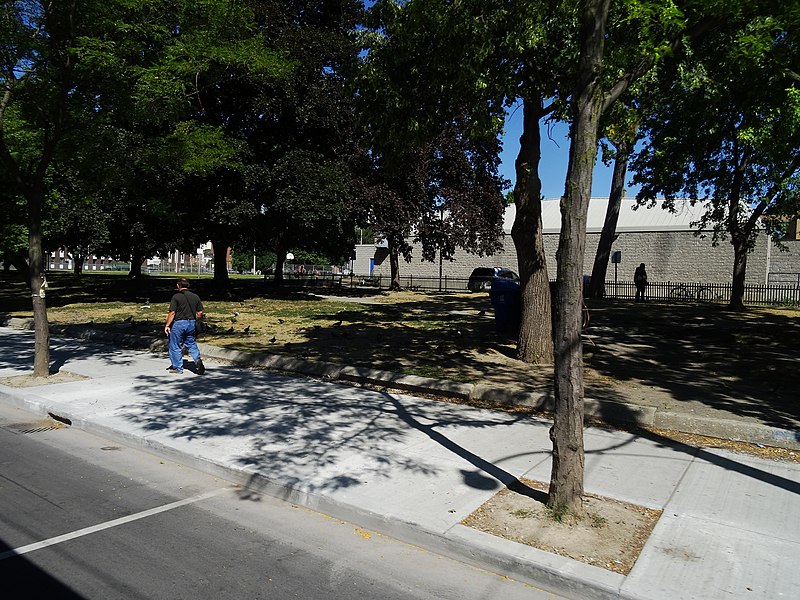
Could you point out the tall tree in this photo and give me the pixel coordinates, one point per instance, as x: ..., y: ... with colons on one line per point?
x: 566, y: 481
x: 304, y: 139
x: 37, y: 76
x: 220, y: 55
x: 604, y: 54
x: 394, y: 194
x: 139, y: 178
x: 420, y: 136
x: 485, y: 57
x: 63, y: 61
x: 576, y: 69
x: 725, y: 131
x: 620, y: 137
x: 541, y: 52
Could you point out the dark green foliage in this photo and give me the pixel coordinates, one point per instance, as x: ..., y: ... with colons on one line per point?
x: 433, y: 154
x: 724, y: 129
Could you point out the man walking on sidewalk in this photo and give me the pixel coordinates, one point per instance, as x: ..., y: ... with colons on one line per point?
x: 184, y: 309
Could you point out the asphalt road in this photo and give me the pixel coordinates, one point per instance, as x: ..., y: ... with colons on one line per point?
x: 82, y: 517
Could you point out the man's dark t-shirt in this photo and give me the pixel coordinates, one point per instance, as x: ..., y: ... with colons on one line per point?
x: 185, y: 304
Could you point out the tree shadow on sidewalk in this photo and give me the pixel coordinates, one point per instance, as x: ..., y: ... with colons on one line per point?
x: 306, y: 433
x: 708, y: 456
x: 19, y: 348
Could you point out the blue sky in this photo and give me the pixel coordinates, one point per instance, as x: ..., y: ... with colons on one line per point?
x: 555, y: 156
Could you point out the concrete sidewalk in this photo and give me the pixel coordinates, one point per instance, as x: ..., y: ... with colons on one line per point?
x: 414, y: 468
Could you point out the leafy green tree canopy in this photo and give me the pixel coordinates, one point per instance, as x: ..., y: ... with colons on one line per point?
x: 724, y: 129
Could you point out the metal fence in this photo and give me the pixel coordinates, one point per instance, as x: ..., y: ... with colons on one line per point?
x: 672, y: 291
x: 668, y: 291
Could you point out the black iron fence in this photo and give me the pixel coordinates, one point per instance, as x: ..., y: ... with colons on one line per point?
x: 672, y: 291
x: 668, y: 291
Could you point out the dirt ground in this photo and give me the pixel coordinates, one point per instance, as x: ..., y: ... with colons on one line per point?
x: 28, y: 380
x: 689, y: 358
x: 610, y: 534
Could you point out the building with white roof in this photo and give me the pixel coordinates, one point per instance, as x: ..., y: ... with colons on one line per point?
x: 665, y: 241
x: 631, y: 218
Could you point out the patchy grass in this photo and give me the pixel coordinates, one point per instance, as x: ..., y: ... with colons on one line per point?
x: 686, y: 358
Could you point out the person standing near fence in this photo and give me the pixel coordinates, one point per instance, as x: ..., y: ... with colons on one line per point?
x: 640, y: 281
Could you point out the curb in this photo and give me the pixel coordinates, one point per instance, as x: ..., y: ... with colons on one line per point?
x: 274, y: 361
x: 410, y: 383
x: 729, y: 429
x: 605, y: 410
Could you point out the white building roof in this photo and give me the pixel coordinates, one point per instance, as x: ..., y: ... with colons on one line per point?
x: 630, y: 218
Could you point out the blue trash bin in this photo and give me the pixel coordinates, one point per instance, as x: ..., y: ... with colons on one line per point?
x: 505, y: 297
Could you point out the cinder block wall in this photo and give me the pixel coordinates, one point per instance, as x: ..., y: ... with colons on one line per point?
x: 678, y: 256
x: 784, y: 265
x: 669, y: 256
x: 363, y: 253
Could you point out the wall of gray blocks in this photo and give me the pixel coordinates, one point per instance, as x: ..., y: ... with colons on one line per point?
x: 678, y: 256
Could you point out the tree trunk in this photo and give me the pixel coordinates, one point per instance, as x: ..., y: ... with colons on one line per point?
x: 280, y: 261
x: 741, y: 236
x: 136, y: 267
x: 740, y: 252
x: 60, y: 39
x: 220, y: 247
x: 77, y: 264
x: 394, y: 266
x: 535, y: 343
x: 600, y: 268
x: 38, y: 284
x: 566, y: 482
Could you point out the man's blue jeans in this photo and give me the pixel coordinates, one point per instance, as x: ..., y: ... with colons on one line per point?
x: 182, y: 333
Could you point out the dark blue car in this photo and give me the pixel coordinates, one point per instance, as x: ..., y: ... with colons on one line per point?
x: 481, y: 278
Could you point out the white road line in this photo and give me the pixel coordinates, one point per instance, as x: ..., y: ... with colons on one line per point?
x: 108, y: 525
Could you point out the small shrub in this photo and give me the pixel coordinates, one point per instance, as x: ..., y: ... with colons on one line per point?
x: 559, y: 513
x: 598, y: 521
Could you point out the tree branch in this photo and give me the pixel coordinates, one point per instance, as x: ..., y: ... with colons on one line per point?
x: 773, y: 192
x: 646, y: 63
